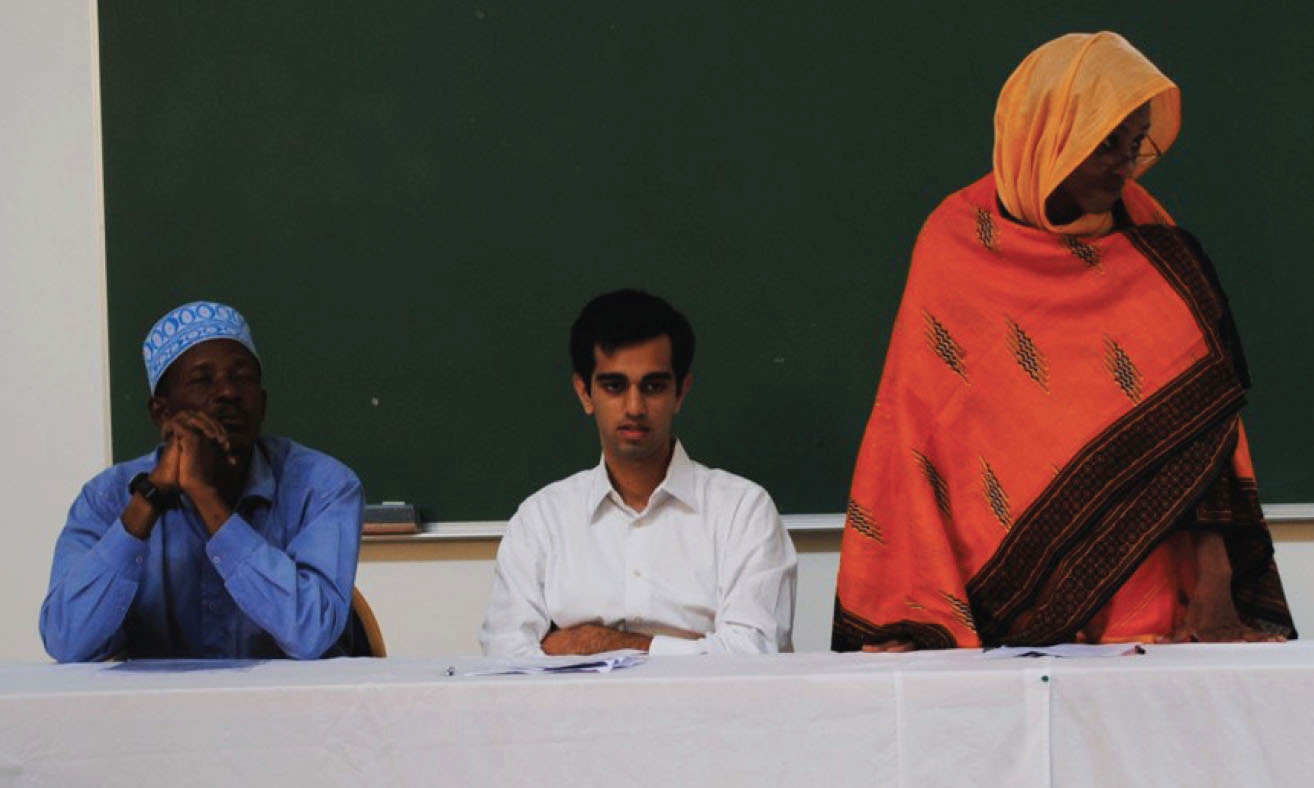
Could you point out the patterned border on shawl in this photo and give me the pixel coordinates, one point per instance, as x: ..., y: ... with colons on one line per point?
x: 850, y: 632
x: 1085, y: 579
x: 1231, y: 505
x: 1176, y: 436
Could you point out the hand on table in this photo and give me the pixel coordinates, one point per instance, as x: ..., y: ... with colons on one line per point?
x: 1211, y: 617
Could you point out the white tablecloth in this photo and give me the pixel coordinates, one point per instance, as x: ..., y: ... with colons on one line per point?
x: 1178, y: 715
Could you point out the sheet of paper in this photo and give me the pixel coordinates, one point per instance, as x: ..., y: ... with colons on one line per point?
x: 593, y: 663
x: 1083, y: 650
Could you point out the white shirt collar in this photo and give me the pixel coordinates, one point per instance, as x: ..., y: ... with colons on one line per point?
x: 678, y: 484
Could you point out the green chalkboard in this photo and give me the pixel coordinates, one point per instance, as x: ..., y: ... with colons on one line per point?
x: 410, y: 200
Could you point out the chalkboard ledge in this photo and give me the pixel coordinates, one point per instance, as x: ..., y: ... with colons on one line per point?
x: 1278, y: 515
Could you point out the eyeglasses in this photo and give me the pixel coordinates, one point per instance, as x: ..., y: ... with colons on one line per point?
x: 1111, y: 153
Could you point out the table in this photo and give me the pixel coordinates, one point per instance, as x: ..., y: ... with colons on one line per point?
x: 1177, y: 715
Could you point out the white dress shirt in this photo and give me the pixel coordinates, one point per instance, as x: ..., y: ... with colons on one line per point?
x: 707, y: 567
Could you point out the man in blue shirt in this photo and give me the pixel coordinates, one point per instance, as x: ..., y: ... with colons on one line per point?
x: 220, y: 543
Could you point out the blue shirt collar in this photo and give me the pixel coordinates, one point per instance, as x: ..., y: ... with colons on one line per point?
x: 260, y: 481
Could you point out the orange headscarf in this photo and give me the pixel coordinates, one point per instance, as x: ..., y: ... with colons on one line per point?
x: 1058, y: 105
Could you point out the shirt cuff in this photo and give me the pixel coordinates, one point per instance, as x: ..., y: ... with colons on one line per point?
x: 122, y: 552
x: 231, y: 545
x: 665, y: 646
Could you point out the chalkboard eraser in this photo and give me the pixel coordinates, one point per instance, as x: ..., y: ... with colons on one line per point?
x: 391, y: 518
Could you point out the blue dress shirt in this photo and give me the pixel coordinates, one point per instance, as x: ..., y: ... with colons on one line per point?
x: 275, y: 580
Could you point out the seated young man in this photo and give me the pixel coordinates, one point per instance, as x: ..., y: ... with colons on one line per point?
x: 648, y: 549
x: 220, y: 542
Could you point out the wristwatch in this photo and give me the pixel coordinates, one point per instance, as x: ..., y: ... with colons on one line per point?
x: 142, y: 485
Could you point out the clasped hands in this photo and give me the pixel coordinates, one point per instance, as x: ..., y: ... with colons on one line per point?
x: 197, y: 451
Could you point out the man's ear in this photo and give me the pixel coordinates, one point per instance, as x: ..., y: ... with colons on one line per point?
x: 582, y: 392
x: 685, y: 385
x: 158, y: 407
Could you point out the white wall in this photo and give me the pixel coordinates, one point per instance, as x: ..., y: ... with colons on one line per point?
x: 54, y: 381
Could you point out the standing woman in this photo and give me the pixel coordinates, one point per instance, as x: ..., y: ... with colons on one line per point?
x: 1055, y: 453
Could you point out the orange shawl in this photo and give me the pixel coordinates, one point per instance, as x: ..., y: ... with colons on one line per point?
x: 1053, y: 414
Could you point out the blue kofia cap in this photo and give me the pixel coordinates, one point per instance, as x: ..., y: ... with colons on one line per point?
x: 189, y: 325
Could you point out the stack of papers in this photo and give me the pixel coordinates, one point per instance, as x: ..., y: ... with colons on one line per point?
x: 593, y: 663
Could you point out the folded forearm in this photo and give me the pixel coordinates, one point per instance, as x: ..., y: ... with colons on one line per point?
x: 82, y: 616
x: 302, y: 601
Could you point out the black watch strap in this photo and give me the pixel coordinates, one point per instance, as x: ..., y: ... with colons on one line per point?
x: 158, y: 499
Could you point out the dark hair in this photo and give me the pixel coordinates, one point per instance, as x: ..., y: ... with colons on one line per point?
x: 627, y: 317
